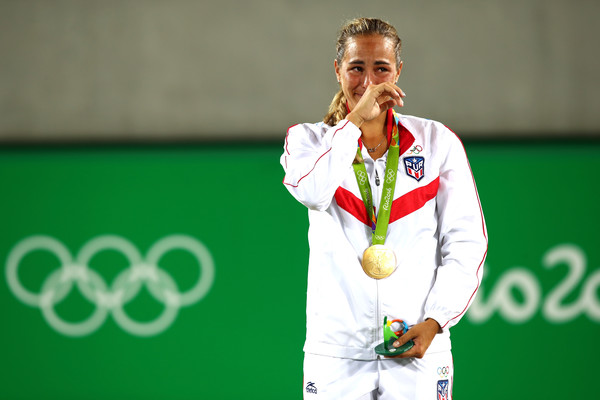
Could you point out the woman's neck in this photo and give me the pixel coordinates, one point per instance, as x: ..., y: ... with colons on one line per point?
x: 374, y: 129
x: 374, y: 135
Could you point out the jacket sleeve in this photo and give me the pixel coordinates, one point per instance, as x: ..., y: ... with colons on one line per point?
x: 462, y: 238
x: 316, y: 159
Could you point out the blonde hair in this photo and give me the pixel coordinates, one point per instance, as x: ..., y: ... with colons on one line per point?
x: 358, y: 27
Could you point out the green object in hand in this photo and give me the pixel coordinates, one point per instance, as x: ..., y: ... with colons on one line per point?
x: 390, y: 336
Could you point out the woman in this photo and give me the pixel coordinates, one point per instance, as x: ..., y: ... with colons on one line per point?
x: 396, y: 230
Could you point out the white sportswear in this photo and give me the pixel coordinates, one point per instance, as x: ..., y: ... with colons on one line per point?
x: 436, y: 229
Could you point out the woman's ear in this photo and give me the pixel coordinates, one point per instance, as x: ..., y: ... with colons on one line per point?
x: 399, y: 70
x: 337, y: 70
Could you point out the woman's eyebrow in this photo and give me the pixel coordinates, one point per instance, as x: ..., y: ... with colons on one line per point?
x: 361, y: 62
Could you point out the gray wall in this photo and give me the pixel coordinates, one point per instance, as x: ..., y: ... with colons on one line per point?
x: 176, y: 69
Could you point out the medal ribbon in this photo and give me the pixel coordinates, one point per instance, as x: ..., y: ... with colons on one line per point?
x: 379, y: 224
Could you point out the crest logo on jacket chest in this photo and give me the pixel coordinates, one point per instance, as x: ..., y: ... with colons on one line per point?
x: 443, y: 392
x: 415, y: 167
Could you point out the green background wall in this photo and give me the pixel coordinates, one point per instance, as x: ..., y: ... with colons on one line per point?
x: 532, y: 333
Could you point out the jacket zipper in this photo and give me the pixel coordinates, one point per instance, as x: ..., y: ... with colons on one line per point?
x: 378, y: 322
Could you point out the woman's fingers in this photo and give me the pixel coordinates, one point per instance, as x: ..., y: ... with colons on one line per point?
x: 390, y: 96
x: 378, y: 99
x: 386, y: 105
x: 388, y: 89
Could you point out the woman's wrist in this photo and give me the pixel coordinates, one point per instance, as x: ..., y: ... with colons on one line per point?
x: 436, y: 324
x: 355, y: 119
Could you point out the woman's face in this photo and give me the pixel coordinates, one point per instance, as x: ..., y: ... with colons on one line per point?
x: 368, y: 60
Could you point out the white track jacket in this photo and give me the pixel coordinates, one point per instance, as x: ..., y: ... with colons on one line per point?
x: 436, y: 229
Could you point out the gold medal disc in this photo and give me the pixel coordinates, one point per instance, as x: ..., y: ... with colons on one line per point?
x: 379, y: 261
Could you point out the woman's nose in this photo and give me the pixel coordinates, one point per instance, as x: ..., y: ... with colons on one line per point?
x: 368, y: 79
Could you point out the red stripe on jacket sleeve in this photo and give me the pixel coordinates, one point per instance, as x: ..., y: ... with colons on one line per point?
x: 315, y: 164
x: 484, y: 235
x: 286, y: 138
x: 472, y: 294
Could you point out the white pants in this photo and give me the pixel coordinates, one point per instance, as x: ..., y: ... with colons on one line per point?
x: 429, y: 378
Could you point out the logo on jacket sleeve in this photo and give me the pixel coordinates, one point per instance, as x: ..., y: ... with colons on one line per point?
x: 415, y: 167
x: 442, y: 390
x: 311, y: 388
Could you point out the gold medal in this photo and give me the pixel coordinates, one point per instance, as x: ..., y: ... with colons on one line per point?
x: 379, y: 261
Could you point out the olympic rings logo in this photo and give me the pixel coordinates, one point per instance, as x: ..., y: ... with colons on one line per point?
x: 390, y: 176
x: 362, y: 177
x: 443, y: 371
x: 416, y: 150
x: 125, y: 287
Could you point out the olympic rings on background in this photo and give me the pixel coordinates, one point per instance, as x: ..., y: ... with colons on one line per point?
x: 125, y: 287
